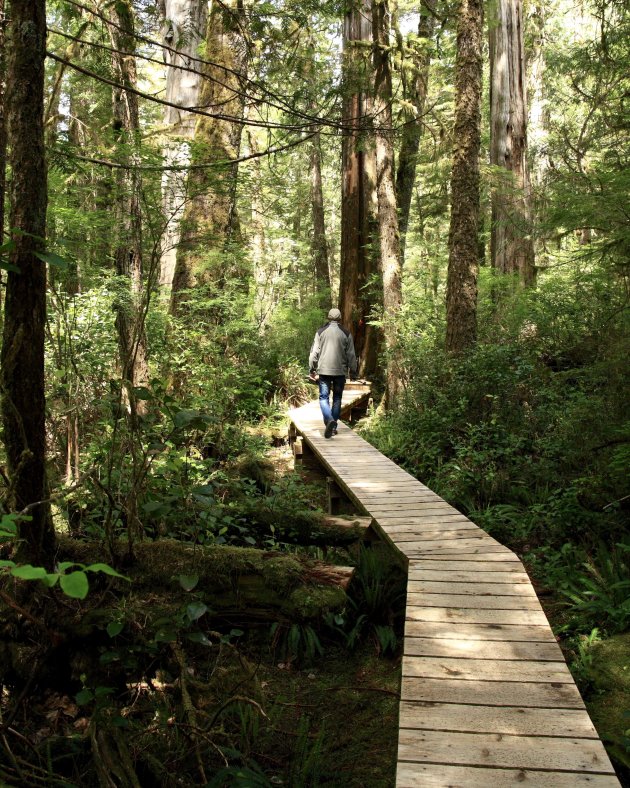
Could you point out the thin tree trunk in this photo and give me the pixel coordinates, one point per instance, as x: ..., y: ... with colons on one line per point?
x: 412, y: 130
x: 359, y: 260
x: 511, y: 245
x: 388, y: 232
x: 128, y: 251
x: 3, y: 125
x: 463, y: 264
x: 319, y: 245
x: 22, y: 357
x: 210, y: 222
x: 183, y: 30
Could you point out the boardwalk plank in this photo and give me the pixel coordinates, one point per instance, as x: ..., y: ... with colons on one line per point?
x: 574, y: 723
x: 485, y: 669
x: 520, y: 752
x: 444, y: 586
x: 482, y: 649
x: 477, y: 615
x: 468, y: 576
x: 486, y: 697
x: 416, y: 775
x: 492, y: 693
x: 489, y: 601
x: 453, y: 630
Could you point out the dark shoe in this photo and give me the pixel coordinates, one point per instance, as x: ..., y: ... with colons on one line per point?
x: 330, y: 430
x: 334, y: 430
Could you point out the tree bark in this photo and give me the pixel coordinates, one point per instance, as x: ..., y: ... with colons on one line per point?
x: 388, y: 232
x: 319, y: 245
x: 511, y: 246
x: 22, y: 357
x: 463, y: 264
x: 359, y: 259
x: 210, y: 220
x: 183, y: 30
x: 3, y: 126
x: 412, y: 131
x: 130, y: 309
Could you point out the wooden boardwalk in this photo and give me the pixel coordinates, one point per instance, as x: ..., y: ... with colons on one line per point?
x: 486, y: 697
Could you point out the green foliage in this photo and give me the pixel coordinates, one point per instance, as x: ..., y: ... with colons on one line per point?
x: 376, y: 603
x: 295, y: 643
x: 601, y: 592
x: 74, y: 583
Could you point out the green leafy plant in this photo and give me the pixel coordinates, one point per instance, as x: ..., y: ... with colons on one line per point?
x: 601, y: 593
x: 72, y: 577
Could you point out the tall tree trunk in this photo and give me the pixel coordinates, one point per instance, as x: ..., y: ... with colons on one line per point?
x: 359, y: 260
x: 210, y: 220
x: 183, y: 30
x: 463, y: 263
x: 412, y: 130
x: 388, y: 233
x: 511, y: 245
x: 130, y: 310
x: 3, y: 125
x: 22, y: 357
x: 319, y: 245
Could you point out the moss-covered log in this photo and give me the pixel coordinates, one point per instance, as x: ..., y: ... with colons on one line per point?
x: 311, y: 528
x: 237, y: 580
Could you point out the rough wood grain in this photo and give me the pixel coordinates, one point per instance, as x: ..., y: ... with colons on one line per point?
x: 520, y: 752
x: 492, y: 693
x: 482, y: 649
x: 416, y: 775
x: 485, y: 669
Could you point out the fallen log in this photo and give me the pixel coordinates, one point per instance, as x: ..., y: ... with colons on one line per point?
x: 230, y: 580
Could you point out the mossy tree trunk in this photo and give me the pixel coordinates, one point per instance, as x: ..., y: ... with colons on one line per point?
x: 388, y: 232
x: 3, y: 124
x: 210, y: 222
x: 463, y: 263
x: 183, y: 30
x: 22, y: 357
x: 511, y: 244
x: 420, y: 61
x: 131, y: 302
x: 319, y: 245
x: 359, y: 258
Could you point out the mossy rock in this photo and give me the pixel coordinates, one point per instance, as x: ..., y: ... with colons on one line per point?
x: 609, y: 703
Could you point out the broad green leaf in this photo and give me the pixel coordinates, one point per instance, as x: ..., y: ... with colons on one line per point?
x: 84, y: 696
x: 115, y: 628
x: 195, y: 610
x: 28, y: 572
x: 51, y: 579
x: 188, y: 582
x: 52, y: 259
x: 106, y: 570
x: 4, y: 563
x: 143, y: 393
x: 198, y: 637
x: 75, y: 585
x: 67, y: 564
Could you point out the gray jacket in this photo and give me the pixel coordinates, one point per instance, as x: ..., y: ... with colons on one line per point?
x: 332, y: 352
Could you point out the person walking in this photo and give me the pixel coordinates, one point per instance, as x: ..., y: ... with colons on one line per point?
x: 332, y: 357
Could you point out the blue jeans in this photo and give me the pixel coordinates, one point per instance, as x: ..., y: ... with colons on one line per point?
x: 328, y: 383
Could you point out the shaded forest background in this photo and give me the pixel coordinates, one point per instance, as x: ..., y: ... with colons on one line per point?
x: 189, y: 188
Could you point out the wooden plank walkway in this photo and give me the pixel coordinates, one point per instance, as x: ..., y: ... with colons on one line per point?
x: 486, y: 697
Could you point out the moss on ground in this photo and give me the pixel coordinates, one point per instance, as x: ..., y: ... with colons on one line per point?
x: 609, y: 702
